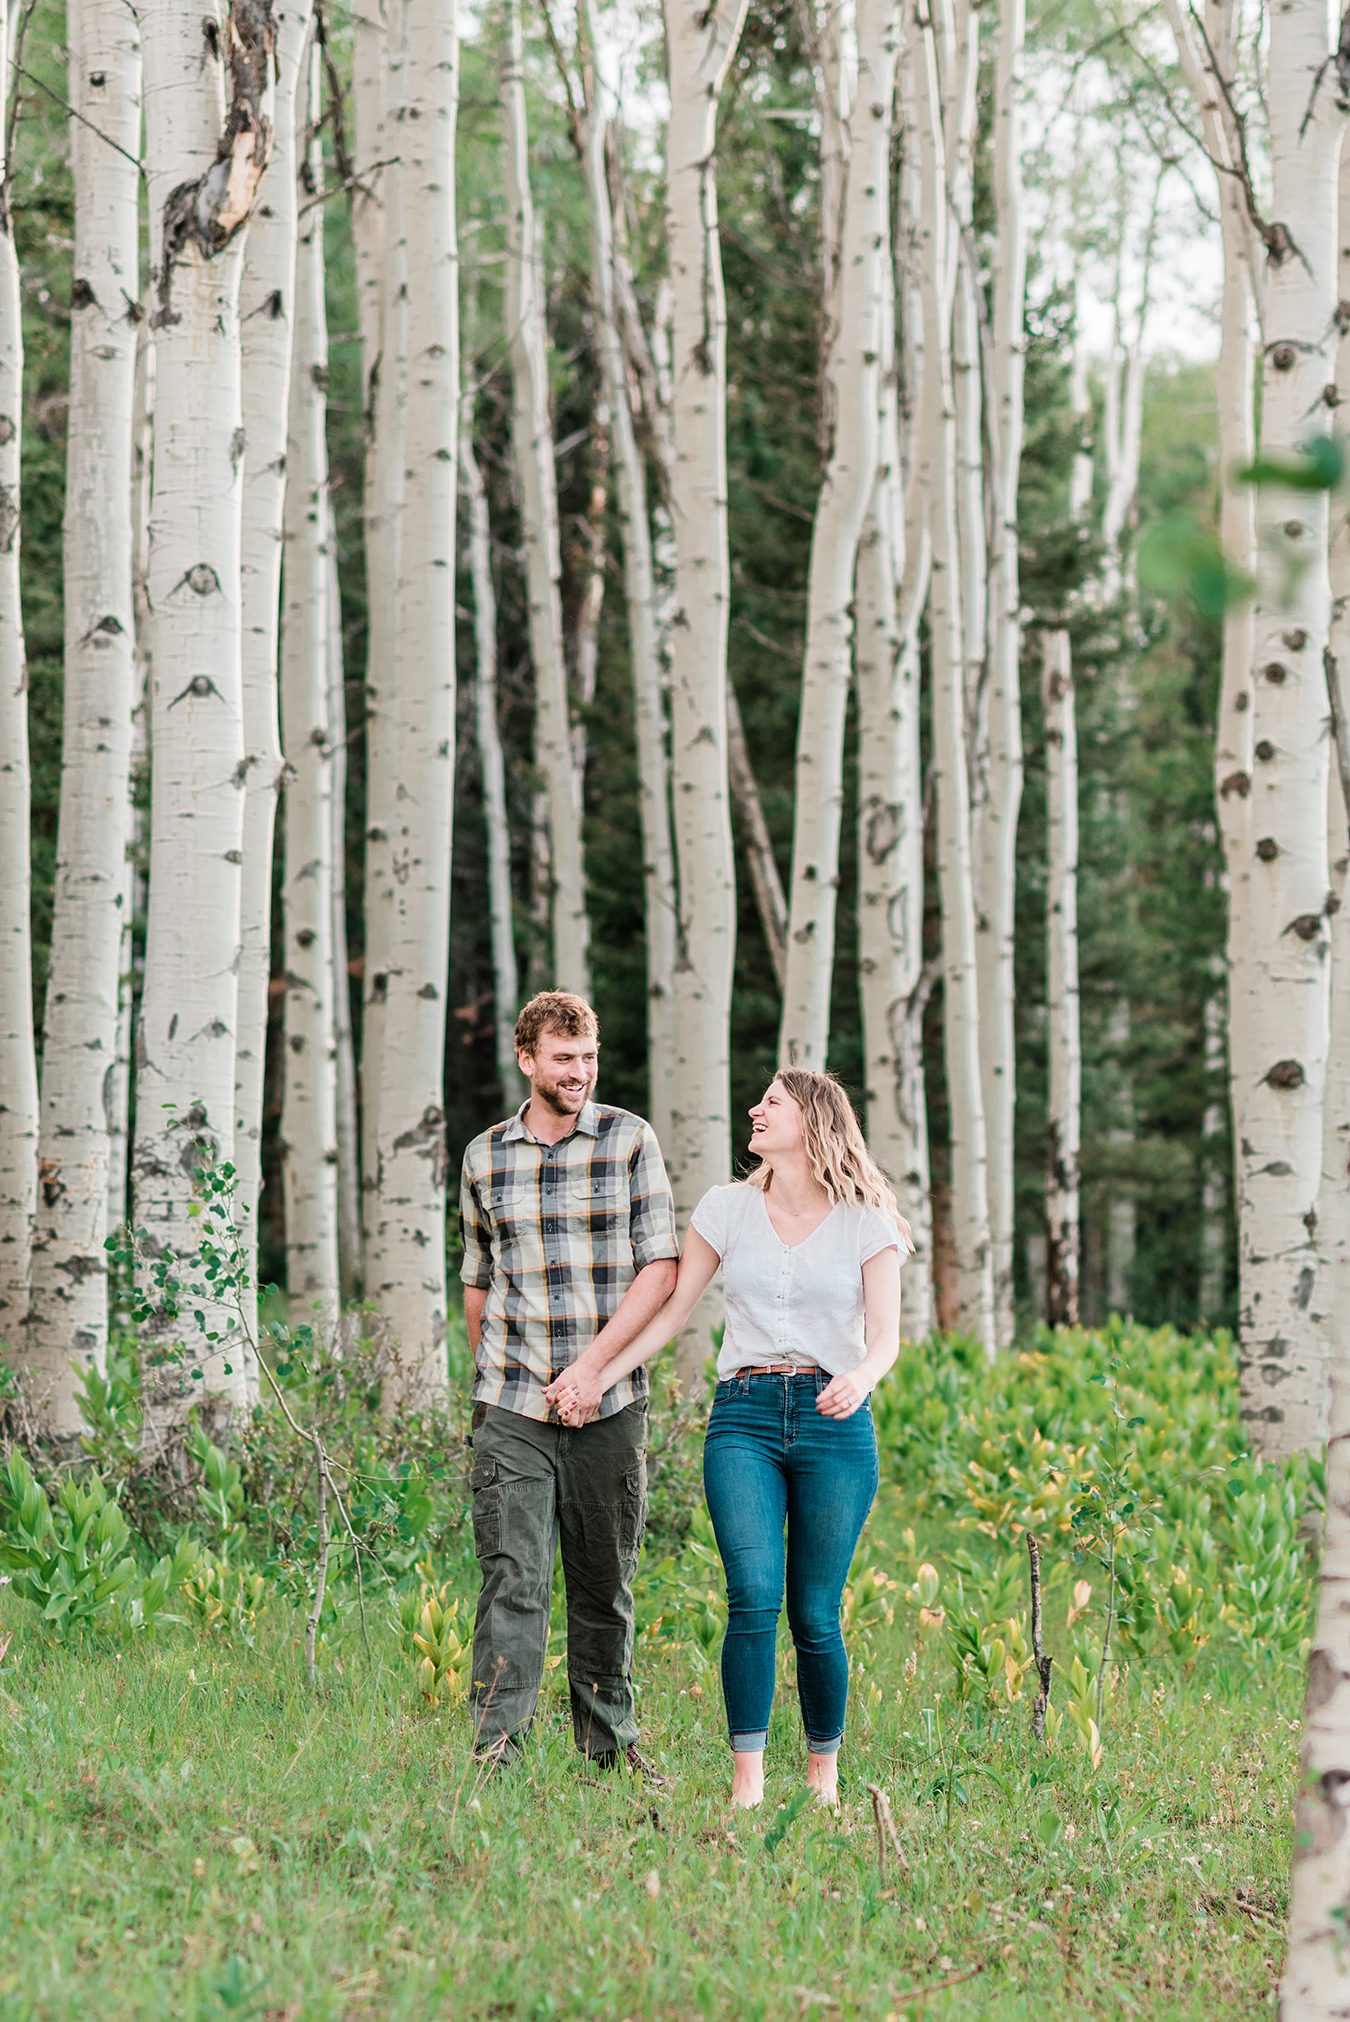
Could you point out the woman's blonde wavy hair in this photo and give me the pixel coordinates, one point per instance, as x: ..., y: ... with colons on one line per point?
x: 835, y: 1147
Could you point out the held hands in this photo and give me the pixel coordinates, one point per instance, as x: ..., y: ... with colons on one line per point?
x: 575, y: 1394
x: 843, y: 1395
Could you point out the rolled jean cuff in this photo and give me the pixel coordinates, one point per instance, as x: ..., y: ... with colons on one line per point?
x: 825, y: 1747
x: 753, y: 1742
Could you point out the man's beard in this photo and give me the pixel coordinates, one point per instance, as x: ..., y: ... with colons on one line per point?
x: 552, y: 1097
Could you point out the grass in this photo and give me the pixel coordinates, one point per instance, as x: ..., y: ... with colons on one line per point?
x: 185, y: 1831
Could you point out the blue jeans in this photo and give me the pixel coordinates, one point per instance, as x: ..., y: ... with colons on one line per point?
x: 772, y: 1460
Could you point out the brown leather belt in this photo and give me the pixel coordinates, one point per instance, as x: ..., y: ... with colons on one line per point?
x: 778, y: 1369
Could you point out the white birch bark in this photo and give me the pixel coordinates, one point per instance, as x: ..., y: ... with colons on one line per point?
x: 700, y: 43
x: 1060, y: 1266
x: 348, y: 1132
x: 757, y: 843
x: 267, y: 334
x: 309, y: 1153
x: 1315, y: 1984
x: 1064, y: 1102
x: 969, y: 1161
x: 68, y: 1316
x: 1122, y: 433
x: 1282, y: 1370
x: 206, y: 138
x: 1209, y: 64
x: 406, y: 1250
x: 134, y: 881
x: 505, y: 973
x: 533, y: 456
x: 586, y: 632
x: 999, y: 788
x: 600, y: 134
x: 890, y: 853
x: 18, y: 1064
x: 852, y: 348
x: 386, y: 378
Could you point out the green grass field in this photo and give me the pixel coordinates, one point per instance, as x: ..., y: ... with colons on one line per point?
x: 186, y: 1830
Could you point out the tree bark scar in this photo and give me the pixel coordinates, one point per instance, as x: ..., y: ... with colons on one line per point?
x: 205, y: 213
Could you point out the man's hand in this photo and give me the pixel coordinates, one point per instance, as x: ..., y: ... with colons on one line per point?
x: 576, y: 1393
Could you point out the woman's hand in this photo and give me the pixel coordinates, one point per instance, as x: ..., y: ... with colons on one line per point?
x: 843, y: 1395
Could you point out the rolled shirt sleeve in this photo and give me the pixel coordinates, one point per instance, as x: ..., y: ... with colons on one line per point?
x: 651, y: 1219
x: 475, y: 1235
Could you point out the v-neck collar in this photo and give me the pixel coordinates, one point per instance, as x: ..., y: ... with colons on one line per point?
x: 801, y: 1240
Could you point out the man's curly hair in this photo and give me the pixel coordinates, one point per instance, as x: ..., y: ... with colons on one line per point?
x: 555, y: 1011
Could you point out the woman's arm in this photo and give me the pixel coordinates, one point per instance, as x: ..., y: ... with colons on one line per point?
x: 578, y: 1390
x: 845, y: 1394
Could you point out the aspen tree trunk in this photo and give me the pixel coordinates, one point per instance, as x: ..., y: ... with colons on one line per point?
x: 1316, y: 1986
x: 1000, y: 788
x: 852, y: 348
x: 1214, y: 1191
x: 18, y: 1063
x: 134, y: 881
x: 309, y: 1154
x: 267, y: 332
x: 348, y: 1131
x: 890, y: 852
x: 1123, y: 428
x: 533, y: 454
x: 598, y: 137
x: 68, y: 1316
x: 386, y: 377
x: 1060, y: 1269
x: 586, y: 634
x: 969, y: 1163
x: 206, y: 140
x: 770, y: 898
x: 407, y: 1245
x: 1209, y: 64
x: 505, y: 976
x: 700, y: 42
x: 1282, y: 1371
x: 1065, y: 1054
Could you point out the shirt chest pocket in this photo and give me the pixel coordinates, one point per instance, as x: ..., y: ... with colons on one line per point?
x: 598, y: 1198
x: 507, y: 1210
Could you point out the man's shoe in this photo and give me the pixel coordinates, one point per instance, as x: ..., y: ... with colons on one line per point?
x: 633, y: 1759
x: 497, y: 1754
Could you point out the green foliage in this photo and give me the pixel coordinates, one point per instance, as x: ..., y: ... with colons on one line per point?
x: 73, y: 1557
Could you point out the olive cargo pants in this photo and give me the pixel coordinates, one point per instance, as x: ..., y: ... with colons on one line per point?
x: 534, y: 1485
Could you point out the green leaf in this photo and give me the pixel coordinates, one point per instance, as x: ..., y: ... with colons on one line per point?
x: 1320, y: 466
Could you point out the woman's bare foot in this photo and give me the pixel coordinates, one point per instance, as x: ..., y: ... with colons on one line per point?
x: 747, y: 1780
x: 822, y: 1778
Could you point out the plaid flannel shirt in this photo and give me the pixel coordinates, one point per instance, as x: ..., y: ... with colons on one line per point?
x: 555, y: 1234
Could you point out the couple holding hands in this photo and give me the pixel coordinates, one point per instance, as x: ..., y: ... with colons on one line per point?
x: 573, y: 1281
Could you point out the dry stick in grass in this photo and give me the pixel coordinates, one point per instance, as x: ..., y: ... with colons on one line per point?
x: 1043, y: 1663
x: 885, y: 1824
x: 321, y: 1575
x: 936, y: 1986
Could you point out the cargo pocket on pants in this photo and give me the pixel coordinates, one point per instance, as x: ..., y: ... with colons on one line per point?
x: 632, y: 1518
x: 487, y: 1509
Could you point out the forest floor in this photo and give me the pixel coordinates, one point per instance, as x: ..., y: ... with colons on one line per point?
x: 186, y: 1830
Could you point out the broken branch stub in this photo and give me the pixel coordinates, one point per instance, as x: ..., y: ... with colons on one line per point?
x: 206, y: 212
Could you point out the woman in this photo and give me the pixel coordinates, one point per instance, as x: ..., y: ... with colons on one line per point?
x: 810, y: 1248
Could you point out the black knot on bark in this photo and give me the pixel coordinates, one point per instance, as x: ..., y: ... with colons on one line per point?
x: 1307, y: 926
x: 1286, y: 1074
x: 1274, y: 672
x: 1265, y: 750
x: 1267, y: 849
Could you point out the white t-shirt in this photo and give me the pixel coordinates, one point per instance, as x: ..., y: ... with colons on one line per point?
x: 791, y: 1302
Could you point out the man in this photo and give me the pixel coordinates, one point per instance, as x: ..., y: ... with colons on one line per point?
x: 569, y: 1249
